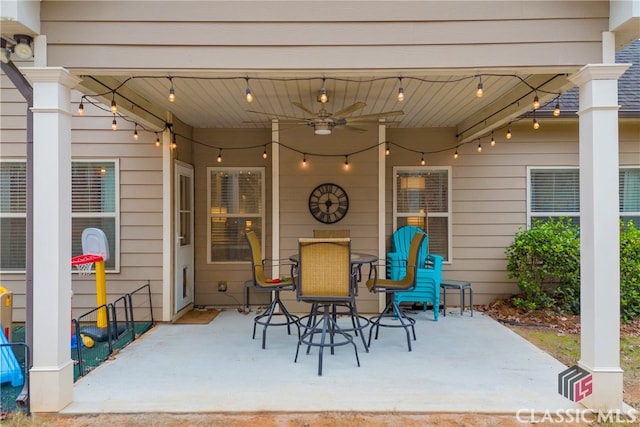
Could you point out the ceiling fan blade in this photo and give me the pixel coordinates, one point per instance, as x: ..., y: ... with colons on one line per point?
x: 350, y: 109
x: 376, y: 116
x: 354, y: 128
x: 303, y: 108
x: 276, y: 115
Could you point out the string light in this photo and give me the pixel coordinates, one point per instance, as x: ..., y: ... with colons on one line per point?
x: 536, y: 102
x: 509, y: 134
x: 172, y: 91
x: 400, y: 91
x: 248, y: 94
x: 157, y: 140
x: 479, y: 90
x: 219, y: 159
x: 556, y: 109
x: 174, y: 143
x: 81, y: 107
x: 455, y: 155
x: 493, y: 140
x: 304, y: 160
x: 114, y: 107
x: 479, y: 148
x: 387, y: 150
x: 324, y: 98
x: 114, y: 123
x: 536, y: 124
x: 135, y: 133
x: 422, y: 162
x: 264, y: 154
x: 346, y: 162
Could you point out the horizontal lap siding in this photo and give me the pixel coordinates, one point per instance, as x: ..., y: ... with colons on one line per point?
x: 140, y: 189
x: 354, y: 34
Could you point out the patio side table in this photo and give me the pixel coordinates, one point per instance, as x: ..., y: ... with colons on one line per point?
x: 460, y: 285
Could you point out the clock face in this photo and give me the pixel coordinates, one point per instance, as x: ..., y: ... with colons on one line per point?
x: 328, y: 203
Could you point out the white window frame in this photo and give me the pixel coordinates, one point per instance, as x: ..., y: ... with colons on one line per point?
x: 261, y: 214
x: 448, y: 214
x: 116, y: 214
x: 531, y: 214
x: 16, y: 215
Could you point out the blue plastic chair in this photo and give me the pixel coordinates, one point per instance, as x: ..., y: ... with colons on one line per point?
x: 428, y: 271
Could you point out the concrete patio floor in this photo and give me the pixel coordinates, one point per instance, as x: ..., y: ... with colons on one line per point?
x: 459, y: 364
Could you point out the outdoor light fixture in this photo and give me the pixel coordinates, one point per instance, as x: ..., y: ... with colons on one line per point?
x: 556, y: 109
x: 172, y: 92
x: 24, y: 47
x: 536, y: 102
x: 493, y: 140
x: 509, y: 134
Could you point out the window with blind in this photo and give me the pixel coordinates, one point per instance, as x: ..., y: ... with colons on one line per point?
x: 93, y: 202
x: 235, y: 206
x: 555, y: 192
x: 422, y: 198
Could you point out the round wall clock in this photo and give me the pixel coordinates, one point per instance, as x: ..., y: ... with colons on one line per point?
x: 328, y: 203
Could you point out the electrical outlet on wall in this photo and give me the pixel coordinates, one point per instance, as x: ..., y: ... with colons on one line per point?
x: 222, y: 286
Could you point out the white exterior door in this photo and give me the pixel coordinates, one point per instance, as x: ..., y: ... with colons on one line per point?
x: 184, y: 235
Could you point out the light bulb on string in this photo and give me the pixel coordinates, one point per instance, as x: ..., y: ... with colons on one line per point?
x: 174, y: 143
x: 479, y: 149
x: 509, y: 134
x: 81, y: 107
x: 400, y: 91
x: 422, y: 162
x: 479, y: 89
x: 219, y: 159
x: 536, y: 124
x: 536, y: 102
x: 493, y: 140
x: 346, y: 162
x: 324, y: 98
x: 387, y: 150
x: 455, y: 154
x: 135, y: 133
x: 248, y: 95
x: 157, y: 140
x: 304, y: 160
x: 556, y: 109
x: 114, y: 107
x: 172, y: 91
x: 114, y: 123
x: 264, y: 153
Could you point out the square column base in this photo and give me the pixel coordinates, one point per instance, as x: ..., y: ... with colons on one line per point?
x: 51, y: 389
x: 607, y: 389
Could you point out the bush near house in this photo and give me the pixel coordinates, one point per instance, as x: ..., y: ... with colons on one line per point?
x: 545, y: 261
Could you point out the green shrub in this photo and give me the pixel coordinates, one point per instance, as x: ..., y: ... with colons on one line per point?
x: 545, y: 261
x: 629, y: 272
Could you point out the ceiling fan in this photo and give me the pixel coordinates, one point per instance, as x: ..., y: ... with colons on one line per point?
x: 324, y: 121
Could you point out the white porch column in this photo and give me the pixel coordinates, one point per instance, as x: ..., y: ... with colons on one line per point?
x: 600, y: 234
x: 52, y: 371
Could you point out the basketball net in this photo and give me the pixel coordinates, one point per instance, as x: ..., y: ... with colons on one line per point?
x: 84, y: 263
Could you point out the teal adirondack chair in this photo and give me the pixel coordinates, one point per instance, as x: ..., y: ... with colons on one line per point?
x: 428, y: 272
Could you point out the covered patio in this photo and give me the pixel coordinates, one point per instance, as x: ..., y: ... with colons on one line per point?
x: 458, y: 364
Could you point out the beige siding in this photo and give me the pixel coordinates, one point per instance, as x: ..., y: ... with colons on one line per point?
x: 356, y: 34
x: 140, y: 203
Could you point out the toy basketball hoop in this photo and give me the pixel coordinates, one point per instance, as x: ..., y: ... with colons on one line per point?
x: 83, y: 263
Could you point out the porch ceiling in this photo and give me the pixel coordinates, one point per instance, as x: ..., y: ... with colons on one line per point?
x: 443, y: 99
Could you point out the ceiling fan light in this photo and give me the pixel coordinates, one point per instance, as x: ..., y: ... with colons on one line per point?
x: 322, y: 129
x: 24, y: 48
x: 5, y: 52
